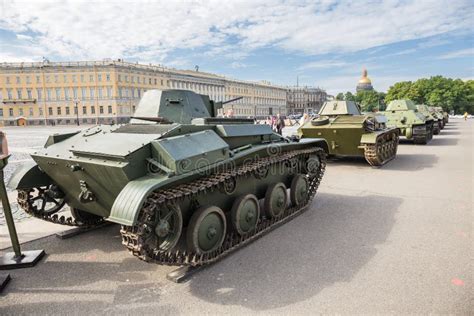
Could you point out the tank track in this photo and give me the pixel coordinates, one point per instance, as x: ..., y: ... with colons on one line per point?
x: 24, y: 201
x: 134, y: 237
x: 377, y: 156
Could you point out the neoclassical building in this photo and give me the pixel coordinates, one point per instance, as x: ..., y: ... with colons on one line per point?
x: 92, y: 92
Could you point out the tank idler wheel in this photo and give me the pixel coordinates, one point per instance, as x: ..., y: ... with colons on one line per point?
x: 299, y: 190
x: 168, y: 226
x: 245, y: 214
x: 46, y: 200
x: 276, y: 200
x: 206, y: 230
x: 83, y: 216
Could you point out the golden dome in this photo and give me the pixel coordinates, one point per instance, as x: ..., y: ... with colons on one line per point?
x: 365, y: 79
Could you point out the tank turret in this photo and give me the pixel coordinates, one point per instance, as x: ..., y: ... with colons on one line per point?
x: 177, y: 106
x: 332, y: 108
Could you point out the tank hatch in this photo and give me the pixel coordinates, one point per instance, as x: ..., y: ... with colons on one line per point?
x: 331, y: 108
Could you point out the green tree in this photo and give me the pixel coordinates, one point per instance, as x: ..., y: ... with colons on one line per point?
x: 398, y: 91
x: 340, y: 96
x: 368, y: 100
x: 349, y: 96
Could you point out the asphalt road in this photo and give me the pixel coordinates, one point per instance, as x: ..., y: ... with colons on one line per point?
x: 396, y: 239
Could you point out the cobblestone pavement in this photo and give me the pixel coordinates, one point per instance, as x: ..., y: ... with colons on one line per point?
x: 22, y: 141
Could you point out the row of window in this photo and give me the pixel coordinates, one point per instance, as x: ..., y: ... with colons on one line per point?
x: 65, y: 77
x: 59, y: 111
x: 61, y: 93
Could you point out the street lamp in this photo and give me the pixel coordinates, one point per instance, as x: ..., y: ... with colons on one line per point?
x: 76, y: 102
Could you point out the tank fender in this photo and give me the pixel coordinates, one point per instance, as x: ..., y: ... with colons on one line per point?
x: 130, y: 200
x: 369, y: 138
x: 28, y: 175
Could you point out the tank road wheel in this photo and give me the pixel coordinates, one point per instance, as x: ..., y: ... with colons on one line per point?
x: 45, y: 200
x: 206, y: 230
x: 276, y: 200
x: 168, y: 227
x: 245, y: 214
x: 84, y: 217
x: 299, y: 190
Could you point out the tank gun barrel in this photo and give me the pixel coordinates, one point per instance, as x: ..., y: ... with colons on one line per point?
x: 232, y: 100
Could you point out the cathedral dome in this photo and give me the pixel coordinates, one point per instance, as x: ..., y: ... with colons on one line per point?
x: 364, y: 83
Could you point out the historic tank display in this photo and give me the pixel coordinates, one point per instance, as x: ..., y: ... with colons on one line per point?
x: 438, y: 115
x: 187, y: 186
x: 349, y: 133
x: 423, y: 109
x: 413, y: 125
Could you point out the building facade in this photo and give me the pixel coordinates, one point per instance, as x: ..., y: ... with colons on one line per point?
x: 305, y: 100
x: 95, y: 92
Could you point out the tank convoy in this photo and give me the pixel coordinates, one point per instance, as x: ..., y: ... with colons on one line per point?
x: 413, y: 125
x: 185, y: 185
x: 349, y: 133
x: 423, y: 109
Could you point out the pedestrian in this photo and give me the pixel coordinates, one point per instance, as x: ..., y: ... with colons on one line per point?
x: 280, y: 124
x: 465, y: 116
x: 273, y: 122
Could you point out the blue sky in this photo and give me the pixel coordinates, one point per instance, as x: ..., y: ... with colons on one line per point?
x: 324, y: 43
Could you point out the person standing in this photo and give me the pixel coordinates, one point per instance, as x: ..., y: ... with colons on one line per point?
x: 465, y: 116
x: 280, y: 124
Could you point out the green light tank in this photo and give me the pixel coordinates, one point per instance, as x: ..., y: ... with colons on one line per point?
x: 438, y: 115
x: 423, y: 109
x: 403, y: 114
x: 349, y: 133
x: 184, y: 184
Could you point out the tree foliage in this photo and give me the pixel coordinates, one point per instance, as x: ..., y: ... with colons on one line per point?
x: 451, y: 94
x: 368, y: 100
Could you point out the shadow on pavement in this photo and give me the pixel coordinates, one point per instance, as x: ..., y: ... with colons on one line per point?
x: 323, y: 246
x: 449, y: 133
x: 411, y: 162
x: 440, y: 141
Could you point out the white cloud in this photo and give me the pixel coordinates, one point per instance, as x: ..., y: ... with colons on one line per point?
x: 323, y: 64
x: 151, y: 31
x: 237, y: 64
x: 468, y: 52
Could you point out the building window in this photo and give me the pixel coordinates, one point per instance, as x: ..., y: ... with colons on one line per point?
x: 83, y: 93
x: 126, y: 78
x: 66, y: 93
x: 91, y: 78
x: 91, y: 92
x: 99, y: 77
x: 120, y: 78
x: 21, y: 111
x: 9, y: 94
x: 92, y: 109
x: 101, y: 109
x: 99, y: 90
x: 65, y: 78
x: 28, y: 79
x: 84, y: 110
x: 109, y: 92
x: 68, y: 111
x: 120, y: 93
x: 10, y: 111
x: 149, y: 80
x: 133, y: 79
x: 18, y: 92
x: 74, y: 93
x: 40, y: 111
x: 161, y: 81
x: 58, y: 94
x: 155, y: 82
x: 39, y: 94
x: 82, y: 78
x: 107, y: 77
x: 109, y: 109
x: 1, y: 112
x: 50, y: 111
x: 138, y: 79
x: 59, y: 110
x: 30, y: 95
x: 18, y: 80
x: 49, y: 92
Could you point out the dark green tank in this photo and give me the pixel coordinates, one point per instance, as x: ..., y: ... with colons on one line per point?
x: 186, y: 186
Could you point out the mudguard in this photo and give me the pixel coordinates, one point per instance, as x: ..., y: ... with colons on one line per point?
x: 28, y: 175
x: 125, y: 208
